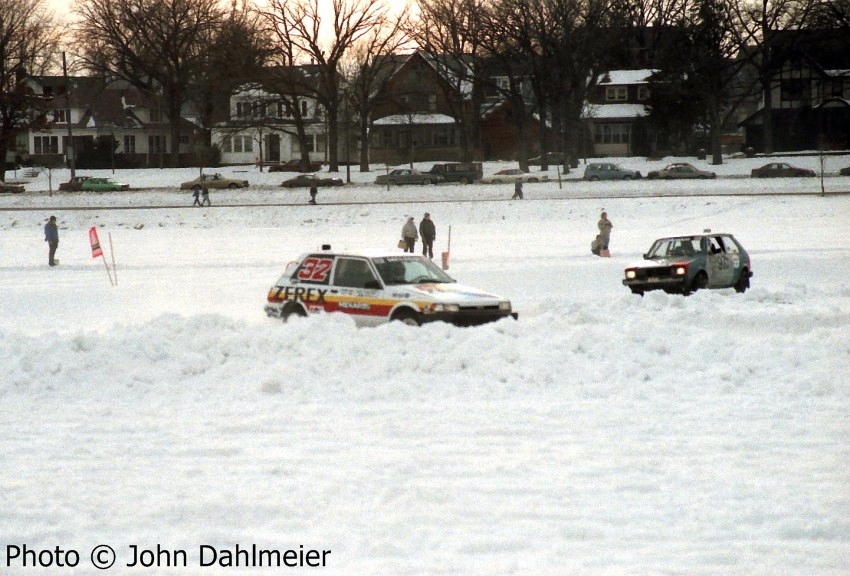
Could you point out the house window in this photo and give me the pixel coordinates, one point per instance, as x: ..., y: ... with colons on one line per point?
x: 432, y: 102
x: 155, y: 144
x: 60, y: 116
x: 444, y: 136
x: 130, y: 144
x: 793, y: 90
x: 155, y: 115
x: 226, y: 144
x: 643, y: 92
x: 46, y: 145
x: 616, y: 93
x: 612, y: 133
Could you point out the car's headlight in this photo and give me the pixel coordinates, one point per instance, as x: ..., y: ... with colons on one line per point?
x: 504, y: 306
x: 681, y: 270
x: 631, y: 274
x: 434, y: 308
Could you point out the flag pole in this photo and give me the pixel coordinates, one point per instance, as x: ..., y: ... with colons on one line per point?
x: 112, y: 254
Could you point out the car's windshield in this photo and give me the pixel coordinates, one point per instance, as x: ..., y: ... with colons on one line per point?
x: 674, y: 247
x: 409, y: 270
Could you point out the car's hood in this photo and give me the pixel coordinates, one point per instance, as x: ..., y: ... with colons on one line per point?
x: 659, y: 262
x: 447, y: 292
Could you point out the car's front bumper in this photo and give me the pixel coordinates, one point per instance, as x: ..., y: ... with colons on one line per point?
x: 469, y: 317
x: 657, y: 283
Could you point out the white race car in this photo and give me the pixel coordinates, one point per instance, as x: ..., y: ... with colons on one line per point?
x: 378, y: 287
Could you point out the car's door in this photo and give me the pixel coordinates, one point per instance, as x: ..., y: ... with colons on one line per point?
x: 720, y: 265
x: 355, y: 290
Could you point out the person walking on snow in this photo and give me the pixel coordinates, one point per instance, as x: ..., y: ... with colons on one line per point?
x: 313, y: 192
x: 428, y: 232
x: 196, y: 194
x: 205, y: 195
x: 517, y: 190
x: 51, y: 236
x: 605, y: 227
x: 409, y: 234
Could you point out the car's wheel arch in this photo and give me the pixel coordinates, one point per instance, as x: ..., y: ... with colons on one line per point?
x: 292, y: 308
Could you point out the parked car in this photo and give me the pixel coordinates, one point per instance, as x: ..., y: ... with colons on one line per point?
x: 552, y: 158
x: 844, y: 171
x: 378, y: 287
x: 102, y: 185
x: 8, y: 187
x: 608, y: 171
x: 679, y: 170
x: 463, y: 172
x: 685, y: 264
x: 214, y: 181
x: 513, y: 175
x: 295, y: 166
x: 780, y: 170
x: 401, y: 176
x: 75, y: 184
x: 308, y: 180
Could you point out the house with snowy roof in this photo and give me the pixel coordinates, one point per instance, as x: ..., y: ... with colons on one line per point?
x: 105, y: 121
x: 614, y: 111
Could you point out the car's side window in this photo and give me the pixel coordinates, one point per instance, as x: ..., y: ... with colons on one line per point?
x: 729, y: 245
x: 353, y: 273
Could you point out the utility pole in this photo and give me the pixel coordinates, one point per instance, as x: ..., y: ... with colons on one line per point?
x: 69, y: 148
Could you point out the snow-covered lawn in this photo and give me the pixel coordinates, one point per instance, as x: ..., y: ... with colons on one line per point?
x: 600, y: 434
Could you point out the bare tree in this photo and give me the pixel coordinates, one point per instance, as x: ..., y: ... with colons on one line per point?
x: 156, y: 45
x: 367, y: 70
x: 326, y: 46
x: 236, y: 57
x: 451, y: 32
x: 761, y: 20
x: 28, y: 43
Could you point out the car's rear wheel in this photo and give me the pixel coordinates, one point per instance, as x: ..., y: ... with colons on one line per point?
x: 234, y: 185
x: 743, y: 281
x: 291, y: 309
x: 594, y: 178
x: 627, y: 177
x: 408, y: 317
x: 426, y: 181
x: 464, y: 180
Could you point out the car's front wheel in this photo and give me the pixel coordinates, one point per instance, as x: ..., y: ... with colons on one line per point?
x: 408, y: 317
x: 699, y: 283
x: 232, y: 186
x: 291, y: 309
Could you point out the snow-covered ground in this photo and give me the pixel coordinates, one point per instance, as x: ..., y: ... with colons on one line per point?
x: 600, y: 434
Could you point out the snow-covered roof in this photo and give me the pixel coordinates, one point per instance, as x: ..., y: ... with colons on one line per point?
x: 627, y: 77
x: 837, y: 73
x: 415, y: 118
x: 611, y: 111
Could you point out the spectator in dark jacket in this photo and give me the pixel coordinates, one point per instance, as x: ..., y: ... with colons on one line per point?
x: 428, y: 232
x: 51, y: 236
